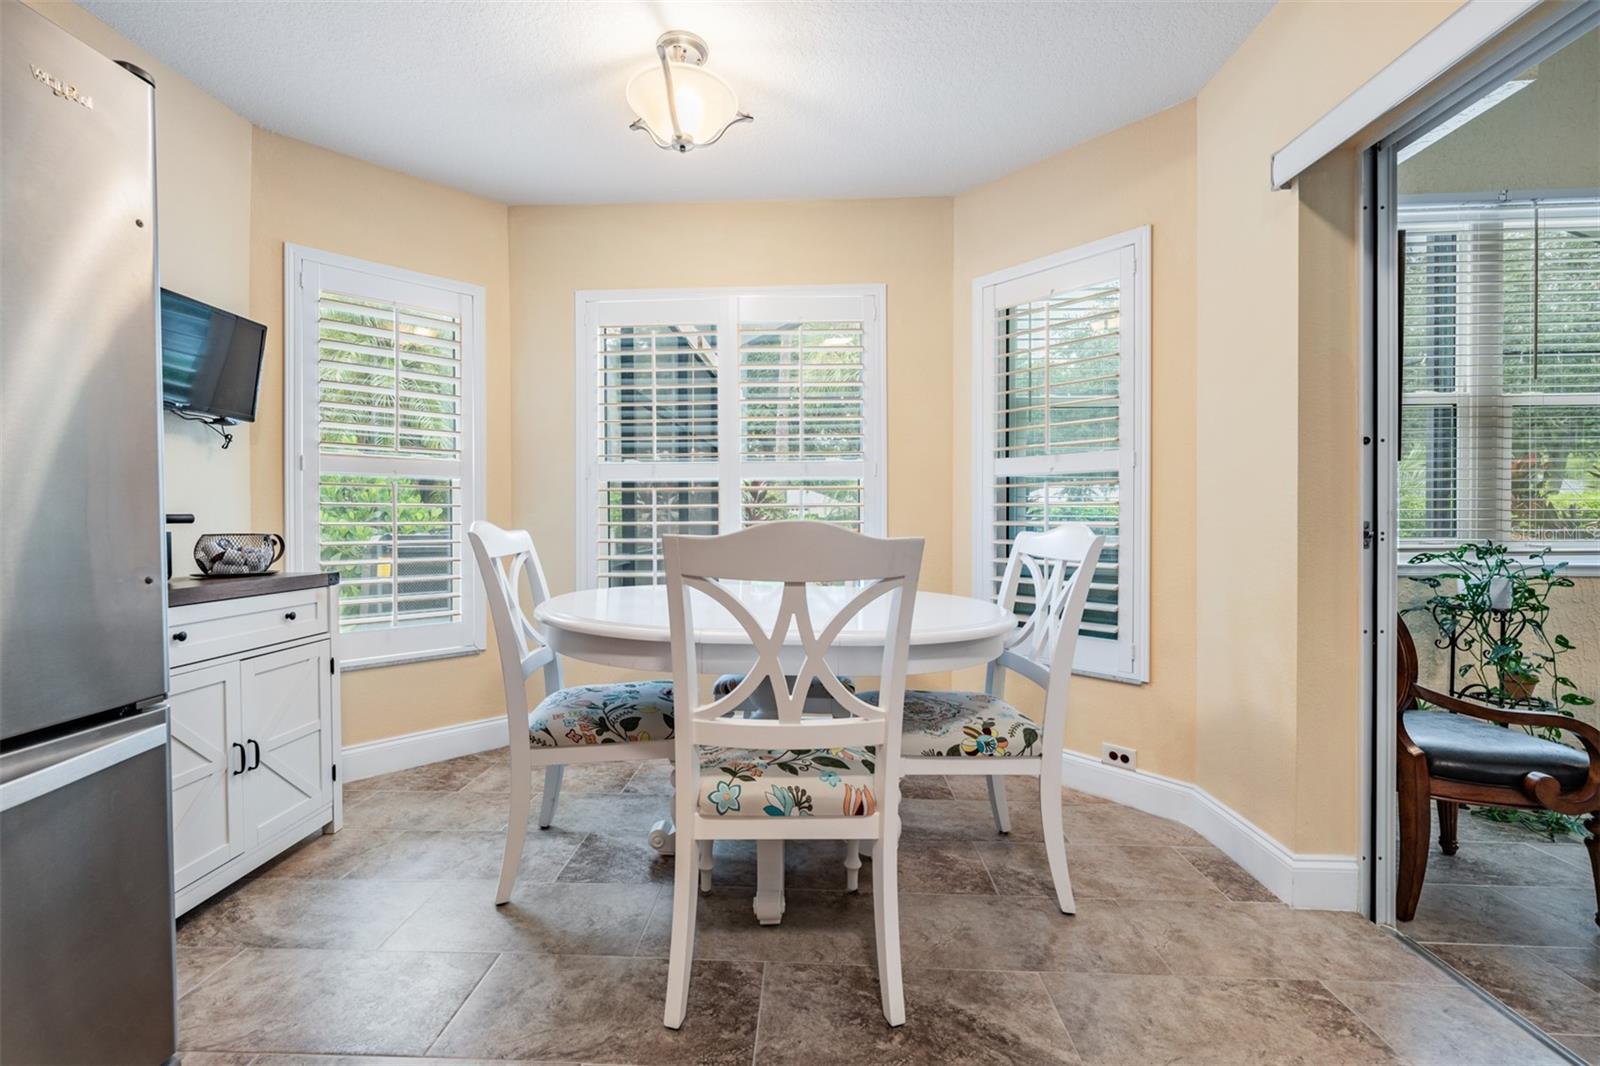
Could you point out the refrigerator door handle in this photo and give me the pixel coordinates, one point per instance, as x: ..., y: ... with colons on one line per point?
x: 76, y: 767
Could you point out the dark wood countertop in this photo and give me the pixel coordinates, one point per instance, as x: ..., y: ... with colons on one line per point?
x: 182, y: 591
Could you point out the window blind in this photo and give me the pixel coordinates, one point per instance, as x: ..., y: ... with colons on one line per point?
x: 793, y: 430
x: 1035, y: 503
x: 390, y: 378
x: 1058, y: 383
x: 657, y: 391
x: 1057, y: 430
x: 1500, y: 374
x: 633, y: 517
x: 396, y: 543
x: 801, y: 390
x: 387, y: 451
x: 778, y: 500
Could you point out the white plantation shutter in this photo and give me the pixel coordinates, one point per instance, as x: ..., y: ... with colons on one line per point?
x: 804, y: 430
x: 705, y: 412
x: 633, y: 516
x: 1060, y: 420
x: 657, y: 391
x: 384, y: 450
x: 389, y: 377
x: 655, y: 439
x: 1500, y: 375
x: 763, y: 499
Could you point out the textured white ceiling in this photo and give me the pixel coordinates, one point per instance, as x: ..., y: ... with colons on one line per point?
x: 523, y: 102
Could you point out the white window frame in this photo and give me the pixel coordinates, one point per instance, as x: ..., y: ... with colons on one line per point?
x: 301, y: 467
x: 722, y: 306
x: 1126, y: 659
x: 1581, y: 559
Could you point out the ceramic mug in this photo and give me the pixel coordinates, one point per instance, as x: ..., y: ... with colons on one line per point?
x: 235, y: 554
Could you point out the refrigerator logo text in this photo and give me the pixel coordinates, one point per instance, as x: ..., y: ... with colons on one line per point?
x: 61, y: 88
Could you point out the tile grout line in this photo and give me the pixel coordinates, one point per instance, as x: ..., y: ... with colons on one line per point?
x: 984, y: 863
x: 470, y: 992
x: 1153, y: 942
x: 1322, y: 982
x: 645, y: 929
x: 438, y: 887
x: 1209, y: 879
x: 761, y: 1006
x: 238, y: 951
x: 1072, y: 1045
x: 487, y: 770
x: 570, y: 858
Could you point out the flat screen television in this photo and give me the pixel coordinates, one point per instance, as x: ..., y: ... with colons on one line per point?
x: 210, y: 359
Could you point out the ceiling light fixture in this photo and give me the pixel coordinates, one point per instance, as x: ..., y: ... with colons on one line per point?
x: 681, y: 104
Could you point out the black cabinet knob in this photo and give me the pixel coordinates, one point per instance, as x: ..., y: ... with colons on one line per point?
x: 180, y: 636
x: 288, y: 616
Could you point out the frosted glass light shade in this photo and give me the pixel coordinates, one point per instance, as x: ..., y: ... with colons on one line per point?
x: 706, y: 103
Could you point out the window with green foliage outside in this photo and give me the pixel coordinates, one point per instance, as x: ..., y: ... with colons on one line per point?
x: 1500, y: 368
x: 384, y: 451
x: 742, y: 409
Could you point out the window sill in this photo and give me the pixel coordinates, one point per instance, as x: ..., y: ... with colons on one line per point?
x: 350, y: 666
x: 1102, y: 675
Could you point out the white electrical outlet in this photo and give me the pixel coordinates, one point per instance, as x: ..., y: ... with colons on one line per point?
x: 1113, y: 755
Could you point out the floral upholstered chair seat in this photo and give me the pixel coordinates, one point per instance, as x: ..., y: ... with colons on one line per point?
x: 965, y: 724
x: 603, y: 714
x: 742, y: 783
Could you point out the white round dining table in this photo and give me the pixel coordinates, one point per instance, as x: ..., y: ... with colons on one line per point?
x: 628, y: 627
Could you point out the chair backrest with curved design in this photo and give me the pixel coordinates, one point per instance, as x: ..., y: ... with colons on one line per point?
x: 1406, y: 667
x: 797, y: 555
x: 1058, y: 565
x: 507, y: 562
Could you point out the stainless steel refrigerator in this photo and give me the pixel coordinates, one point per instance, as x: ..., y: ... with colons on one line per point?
x: 86, y: 933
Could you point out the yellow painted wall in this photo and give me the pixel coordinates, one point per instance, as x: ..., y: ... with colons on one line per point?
x: 1141, y: 174
x: 310, y: 196
x: 1277, y: 707
x: 558, y: 251
x: 203, y: 211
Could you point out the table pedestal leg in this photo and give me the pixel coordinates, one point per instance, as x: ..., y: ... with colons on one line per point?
x: 663, y: 837
x: 769, y: 882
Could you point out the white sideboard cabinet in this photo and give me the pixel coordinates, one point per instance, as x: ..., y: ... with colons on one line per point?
x: 254, y: 699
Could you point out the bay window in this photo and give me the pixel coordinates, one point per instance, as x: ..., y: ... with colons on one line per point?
x: 704, y: 412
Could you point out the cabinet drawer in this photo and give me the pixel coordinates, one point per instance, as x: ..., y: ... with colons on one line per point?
x: 207, y: 630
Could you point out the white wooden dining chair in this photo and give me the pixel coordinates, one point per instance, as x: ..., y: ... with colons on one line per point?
x: 980, y: 733
x: 829, y: 776
x: 624, y: 722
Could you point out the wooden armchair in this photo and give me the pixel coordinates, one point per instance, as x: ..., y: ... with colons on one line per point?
x: 1460, y: 754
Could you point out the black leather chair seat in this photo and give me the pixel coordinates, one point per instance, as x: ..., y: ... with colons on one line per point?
x: 762, y: 700
x: 1462, y: 748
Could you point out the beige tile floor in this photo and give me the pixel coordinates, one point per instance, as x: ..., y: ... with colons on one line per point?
x: 381, y: 944
x: 1515, y: 913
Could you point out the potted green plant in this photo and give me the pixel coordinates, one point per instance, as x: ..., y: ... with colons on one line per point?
x: 1492, y: 610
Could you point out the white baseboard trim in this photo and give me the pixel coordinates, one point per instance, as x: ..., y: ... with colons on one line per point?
x: 418, y: 749
x: 1311, y: 882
